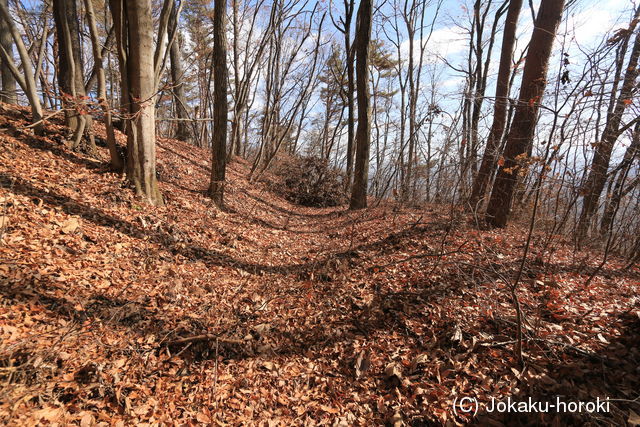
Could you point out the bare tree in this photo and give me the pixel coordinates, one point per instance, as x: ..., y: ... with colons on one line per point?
x: 183, y: 130
x: 597, y: 179
x: 344, y: 26
x: 70, y: 71
x: 26, y: 80
x: 219, y: 150
x: 619, y: 190
x: 489, y: 158
x: 117, y: 162
x: 8, y: 94
x: 363, y: 133
x: 248, y: 52
x: 413, y: 15
x: 134, y: 34
x: 521, y: 133
x: 290, y: 78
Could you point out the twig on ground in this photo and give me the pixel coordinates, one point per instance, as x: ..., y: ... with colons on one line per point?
x: 204, y: 337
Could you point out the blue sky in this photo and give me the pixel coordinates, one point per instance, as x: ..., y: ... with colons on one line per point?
x: 585, y: 23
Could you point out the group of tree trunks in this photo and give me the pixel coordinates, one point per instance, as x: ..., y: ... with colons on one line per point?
x: 142, y: 59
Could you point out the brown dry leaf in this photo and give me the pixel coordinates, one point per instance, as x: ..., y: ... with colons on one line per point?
x: 70, y: 225
x: 87, y: 420
x: 48, y: 413
x: 329, y: 409
x: 142, y: 409
x: 187, y: 269
x: 393, y: 370
x: 396, y: 420
x: 203, y: 418
x: 419, y: 360
x: 363, y: 361
x: 457, y: 334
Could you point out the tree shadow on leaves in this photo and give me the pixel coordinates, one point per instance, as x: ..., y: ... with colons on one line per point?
x: 190, y: 250
x: 61, y: 151
x: 575, y: 375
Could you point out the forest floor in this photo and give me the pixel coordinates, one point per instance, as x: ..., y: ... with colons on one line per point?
x: 267, y: 313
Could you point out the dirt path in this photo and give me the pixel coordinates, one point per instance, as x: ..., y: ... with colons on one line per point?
x: 335, y: 316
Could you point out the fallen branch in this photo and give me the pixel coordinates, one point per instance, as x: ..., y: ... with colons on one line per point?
x: 548, y: 342
x: 42, y: 120
x: 418, y: 256
x: 204, y: 337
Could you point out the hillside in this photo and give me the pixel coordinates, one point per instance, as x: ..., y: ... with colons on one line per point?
x: 117, y: 313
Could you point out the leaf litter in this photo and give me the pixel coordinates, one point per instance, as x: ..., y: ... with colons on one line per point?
x: 267, y: 313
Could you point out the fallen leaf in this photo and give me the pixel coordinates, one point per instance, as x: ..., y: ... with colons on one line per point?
x: 70, y: 226
x: 49, y: 414
x: 329, y: 409
x: 363, y: 361
x: 418, y: 361
x: 393, y: 370
x: 203, y: 418
x: 87, y: 420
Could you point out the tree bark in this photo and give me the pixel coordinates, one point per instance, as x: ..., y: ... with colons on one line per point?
x: 618, y: 192
x: 489, y: 158
x: 236, y: 127
x: 116, y: 160
x: 8, y: 94
x: 602, y: 155
x: 164, y: 40
x: 218, y: 161
x: 363, y: 132
x: 405, y: 193
x: 183, y: 131
x: 521, y: 133
x: 26, y: 80
x: 134, y: 32
x: 104, y: 50
x: 70, y: 71
x: 348, y: 7
x: 118, y: 14
x: 141, y: 138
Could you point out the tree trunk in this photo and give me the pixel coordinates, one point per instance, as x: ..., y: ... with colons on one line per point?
x: 70, y: 71
x: 238, y: 110
x: 602, y: 155
x: 141, y: 138
x: 521, y: 133
x: 134, y: 33
x: 118, y: 14
x: 413, y: 101
x: 116, y: 160
x: 363, y: 133
x: 104, y: 50
x: 615, y: 196
x: 349, y: 6
x: 164, y: 41
x: 218, y: 161
x: 8, y: 93
x: 489, y: 158
x: 26, y: 80
x: 183, y: 131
